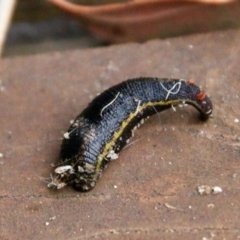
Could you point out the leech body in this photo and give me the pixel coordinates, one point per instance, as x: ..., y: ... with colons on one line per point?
x: 100, y: 132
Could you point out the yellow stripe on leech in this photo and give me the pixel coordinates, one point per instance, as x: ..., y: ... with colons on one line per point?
x: 125, y: 123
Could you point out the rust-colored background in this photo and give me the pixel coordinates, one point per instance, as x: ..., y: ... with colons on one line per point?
x: 150, y: 192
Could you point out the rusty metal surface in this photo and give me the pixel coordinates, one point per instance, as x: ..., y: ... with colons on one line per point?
x: 150, y: 192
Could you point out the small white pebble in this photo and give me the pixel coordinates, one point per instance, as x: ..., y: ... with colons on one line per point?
x: 236, y: 120
x: 66, y: 135
x: 216, y: 190
x: 1, y: 155
x: 115, y: 186
x: 47, y: 223
x: 71, y: 121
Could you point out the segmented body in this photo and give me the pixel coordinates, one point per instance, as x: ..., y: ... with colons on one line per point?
x: 106, y: 125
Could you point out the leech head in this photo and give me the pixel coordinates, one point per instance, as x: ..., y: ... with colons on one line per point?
x: 205, y: 104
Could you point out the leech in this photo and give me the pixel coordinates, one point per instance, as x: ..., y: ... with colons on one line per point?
x: 96, y: 139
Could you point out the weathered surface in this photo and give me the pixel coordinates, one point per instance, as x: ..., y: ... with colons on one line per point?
x: 150, y: 192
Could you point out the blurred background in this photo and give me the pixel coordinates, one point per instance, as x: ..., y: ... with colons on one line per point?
x: 38, y: 26
x: 30, y: 27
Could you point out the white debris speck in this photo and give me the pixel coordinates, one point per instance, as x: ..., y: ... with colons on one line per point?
x: 61, y: 185
x: 216, y: 190
x: 71, y: 121
x: 66, y: 135
x: 206, y: 190
x: 173, y: 108
x: 236, y: 120
x: 112, y: 155
x: 201, y: 132
x: 1, y: 155
x: 115, y: 186
x: 63, y: 169
x: 210, y: 205
x: 47, y: 223
x: 190, y: 46
x: 80, y: 169
x: 52, y: 218
x: 89, y: 167
x: 169, y: 206
x: 172, y: 207
x: 2, y: 89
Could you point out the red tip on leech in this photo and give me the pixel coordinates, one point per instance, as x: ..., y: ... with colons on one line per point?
x: 201, y: 96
